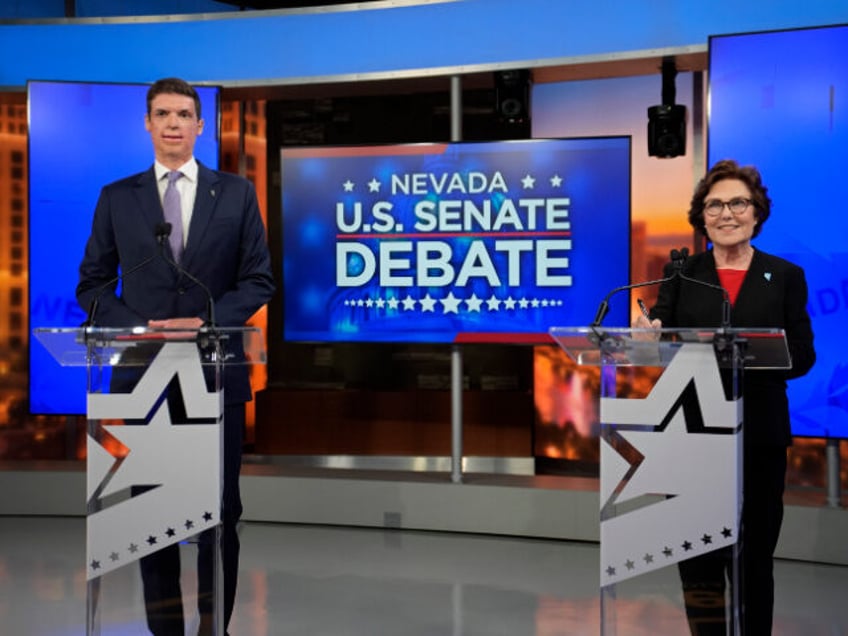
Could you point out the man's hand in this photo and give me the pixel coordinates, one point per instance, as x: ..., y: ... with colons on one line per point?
x: 174, y: 325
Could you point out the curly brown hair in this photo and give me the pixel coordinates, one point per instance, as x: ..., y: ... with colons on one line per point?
x: 729, y: 169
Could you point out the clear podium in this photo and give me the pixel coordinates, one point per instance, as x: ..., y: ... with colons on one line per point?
x: 154, y: 475
x: 671, y: 471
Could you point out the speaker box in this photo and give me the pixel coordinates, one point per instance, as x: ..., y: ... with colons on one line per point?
x: 667, y: 131
x: 512, y: 96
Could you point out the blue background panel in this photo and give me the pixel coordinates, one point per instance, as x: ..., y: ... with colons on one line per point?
x: 777, y: 102
x: 81, y: 137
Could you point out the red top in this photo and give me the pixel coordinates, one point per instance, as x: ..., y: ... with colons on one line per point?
x: 731, y: 280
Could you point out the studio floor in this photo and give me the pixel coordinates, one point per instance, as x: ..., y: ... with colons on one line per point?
x: 303, y: 580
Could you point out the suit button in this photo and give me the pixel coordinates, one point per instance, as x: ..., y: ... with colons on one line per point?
x: 181, y: 290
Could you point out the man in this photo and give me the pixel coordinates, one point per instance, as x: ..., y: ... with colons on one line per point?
x: 218, y: 238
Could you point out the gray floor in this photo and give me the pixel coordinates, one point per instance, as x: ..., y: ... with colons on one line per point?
x: 336, y: 581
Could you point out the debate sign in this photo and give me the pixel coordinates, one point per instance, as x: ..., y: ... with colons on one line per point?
x: 490, y: 241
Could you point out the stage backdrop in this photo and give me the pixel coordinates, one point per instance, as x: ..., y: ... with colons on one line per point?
x: 439, y: 243
x: 777, y: 100
x: 81, y: 137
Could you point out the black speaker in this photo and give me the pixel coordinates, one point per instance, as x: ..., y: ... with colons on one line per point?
x: 512, y: 96
x: 667, y: 131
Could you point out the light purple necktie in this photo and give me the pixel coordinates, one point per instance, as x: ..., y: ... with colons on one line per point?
x: 173, y: 214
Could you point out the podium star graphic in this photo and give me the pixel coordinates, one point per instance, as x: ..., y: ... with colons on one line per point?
x: 157, y: 457
x: 671, y: 454
x: 670, y: 466
x: 147, y: 449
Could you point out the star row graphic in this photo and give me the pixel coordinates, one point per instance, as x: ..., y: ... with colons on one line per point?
x: 668, y: 552
x: 151, y: 541
x: 452, y: 304
x: 528, y: 182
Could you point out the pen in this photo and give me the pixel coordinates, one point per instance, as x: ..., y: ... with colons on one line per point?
x: 643, y: 308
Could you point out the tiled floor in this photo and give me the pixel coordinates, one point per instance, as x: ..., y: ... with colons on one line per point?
x: 337, y: 581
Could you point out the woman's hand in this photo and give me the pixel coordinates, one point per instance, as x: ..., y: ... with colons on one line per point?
x: 642, y: 322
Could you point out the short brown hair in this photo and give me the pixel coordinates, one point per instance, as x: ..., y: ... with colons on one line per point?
x: 729, y: 169
x: 173, y: 86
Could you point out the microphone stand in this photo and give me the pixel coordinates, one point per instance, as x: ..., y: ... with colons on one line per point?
x: 209, y: 327
x: 723, y: 340
x: 88, y: 325
x: 677, y: 260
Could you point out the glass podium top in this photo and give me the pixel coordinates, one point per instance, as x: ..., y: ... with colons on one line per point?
x: 623, y: 346
x: 110, y: 346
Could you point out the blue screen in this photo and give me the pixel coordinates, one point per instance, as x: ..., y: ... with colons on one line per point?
x: 436, y: 243
x: 81, y: 137
x: 777, y: 101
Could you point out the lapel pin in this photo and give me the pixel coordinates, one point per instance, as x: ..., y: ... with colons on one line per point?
x: 767, y: 275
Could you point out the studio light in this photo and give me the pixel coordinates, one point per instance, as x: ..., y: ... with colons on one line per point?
x: 667, y: 121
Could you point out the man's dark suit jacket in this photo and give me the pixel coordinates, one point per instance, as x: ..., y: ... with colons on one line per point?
x: 773, y: 294
x: 226, y: 250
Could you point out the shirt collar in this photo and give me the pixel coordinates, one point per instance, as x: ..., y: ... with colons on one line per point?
x: 189, y: 170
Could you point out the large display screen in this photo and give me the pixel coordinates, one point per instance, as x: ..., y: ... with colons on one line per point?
x: 777, y: 101
x: 458, y: 242
x: 81, y: 137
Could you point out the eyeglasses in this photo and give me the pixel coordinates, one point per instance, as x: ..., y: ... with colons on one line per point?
x: 736, y: 205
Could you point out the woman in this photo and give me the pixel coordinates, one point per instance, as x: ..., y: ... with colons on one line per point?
x: 730, y: 206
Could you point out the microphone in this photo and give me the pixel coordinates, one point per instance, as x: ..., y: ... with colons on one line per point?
x: 210, y: 302
x: 161, y: 234
x: 677, y: 259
